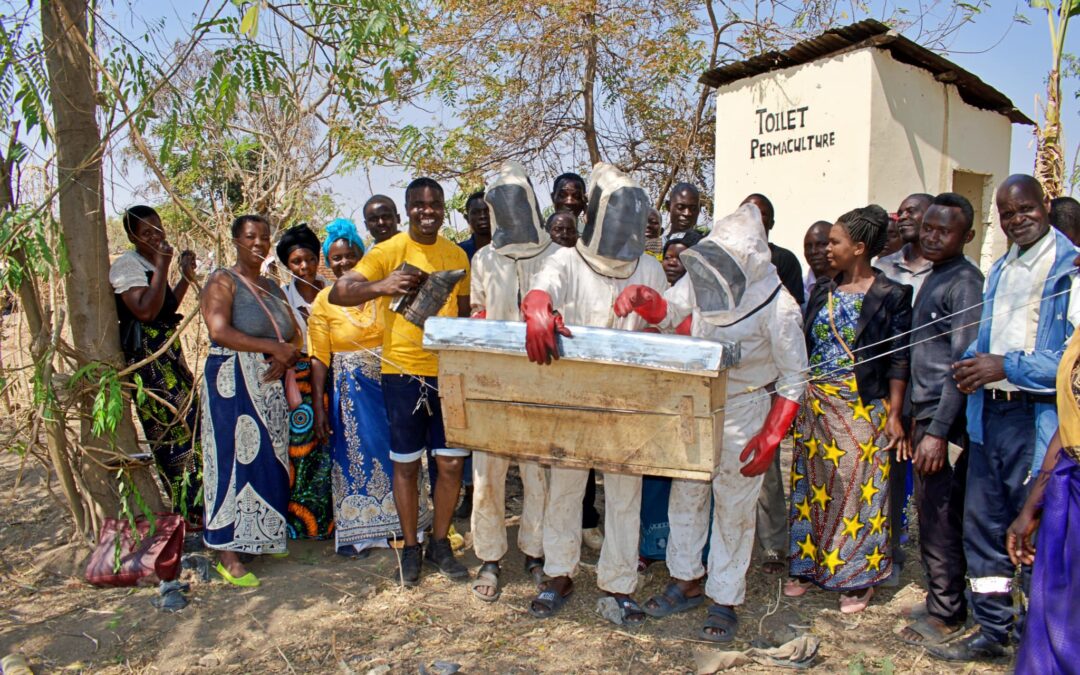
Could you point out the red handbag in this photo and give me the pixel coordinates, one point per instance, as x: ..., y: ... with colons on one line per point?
x: 122, y: 560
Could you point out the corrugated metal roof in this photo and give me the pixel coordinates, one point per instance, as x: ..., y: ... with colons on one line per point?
x: 871, y: 33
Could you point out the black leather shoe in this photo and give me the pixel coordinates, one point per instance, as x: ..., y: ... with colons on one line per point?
x: 410, y: 565
x: 441, y: 555
x: 975, y: 647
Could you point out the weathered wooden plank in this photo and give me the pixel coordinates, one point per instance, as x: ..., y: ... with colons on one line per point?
x: 626, y: 442
x: 452, y: 393
x: 502, y: 377
x: 686, y: 420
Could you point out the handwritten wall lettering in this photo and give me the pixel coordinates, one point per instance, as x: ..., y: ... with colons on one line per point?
x: 792, y: 119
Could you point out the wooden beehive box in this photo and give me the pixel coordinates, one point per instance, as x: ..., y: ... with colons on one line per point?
x: 638, y: 403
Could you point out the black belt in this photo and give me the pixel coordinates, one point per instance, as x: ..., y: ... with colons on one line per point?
x: 1020, y: 397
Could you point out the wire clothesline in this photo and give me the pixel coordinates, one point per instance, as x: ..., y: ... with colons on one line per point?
x: 809, y: 369
x: 827, y: 374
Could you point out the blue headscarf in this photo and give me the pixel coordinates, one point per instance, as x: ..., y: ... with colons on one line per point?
x: 341, y: 228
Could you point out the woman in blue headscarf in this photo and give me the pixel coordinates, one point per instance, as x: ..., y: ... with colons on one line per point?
x: 345, y: 344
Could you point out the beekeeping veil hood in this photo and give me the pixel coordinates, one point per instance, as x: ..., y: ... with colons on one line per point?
x: 731, y: 269
x: 516, y: 224
x: 614, y: 235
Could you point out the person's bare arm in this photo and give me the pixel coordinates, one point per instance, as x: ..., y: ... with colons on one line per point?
x: 894, y: 427
x: 145, y: 301
x: 353, y: 289
x: 318, y: 392
x: 216, y: 306
x: 1020, y: 537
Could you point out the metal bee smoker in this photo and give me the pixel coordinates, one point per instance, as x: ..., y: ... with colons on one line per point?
x: 428, y: 297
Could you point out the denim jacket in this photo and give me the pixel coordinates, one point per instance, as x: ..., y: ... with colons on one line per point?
x: 1036, y: 371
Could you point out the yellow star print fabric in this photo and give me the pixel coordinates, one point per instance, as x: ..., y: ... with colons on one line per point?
x: 840, y: 498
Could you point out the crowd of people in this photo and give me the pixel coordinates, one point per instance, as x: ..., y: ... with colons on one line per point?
x: 892, y: 357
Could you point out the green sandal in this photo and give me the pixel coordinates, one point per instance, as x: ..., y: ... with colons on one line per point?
x: 249, y: 580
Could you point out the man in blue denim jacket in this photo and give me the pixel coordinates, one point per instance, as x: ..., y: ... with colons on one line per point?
x: 1030, y: 307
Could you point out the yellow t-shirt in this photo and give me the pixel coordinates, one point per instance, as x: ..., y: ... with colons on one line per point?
x: 403, y: 351
x: 333, y: 329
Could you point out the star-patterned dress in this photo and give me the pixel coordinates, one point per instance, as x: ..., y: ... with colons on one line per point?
x: 840, y: 487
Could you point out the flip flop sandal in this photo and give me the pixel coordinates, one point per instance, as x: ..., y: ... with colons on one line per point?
x: 550, y: 603
x: 796, y: 588
x: 351, y: 553
x: 671, y: 601
x: 630, y: 608
x: 487, y: 577
x: 853, y: 604
x: 172, y: 601
x: 534, y: 567
x: 723, y: 619
x: 773, y: 563
x: 249, y: 580
x: 932, y: 635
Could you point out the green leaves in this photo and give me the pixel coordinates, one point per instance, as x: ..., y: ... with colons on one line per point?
x: 108, y: 407
x: 24, y: 84
x: 1067, y: 8
x: 34, y: 235
x: 249, y: 25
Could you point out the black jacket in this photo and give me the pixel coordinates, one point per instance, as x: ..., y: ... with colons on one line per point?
x: 789, y: 270
x: 886, y: 313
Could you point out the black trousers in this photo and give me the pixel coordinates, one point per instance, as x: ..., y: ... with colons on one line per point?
x: 998, y: 483
x: 939, y: 499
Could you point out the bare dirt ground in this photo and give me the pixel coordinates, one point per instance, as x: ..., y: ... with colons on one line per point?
x: 317, y: 612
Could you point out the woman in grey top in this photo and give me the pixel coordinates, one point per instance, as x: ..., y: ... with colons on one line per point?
x: 245, y: 426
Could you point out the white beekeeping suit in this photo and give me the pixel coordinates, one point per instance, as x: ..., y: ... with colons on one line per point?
x: 501, y: 276
x: 582, y: 284
x: 732, y: 292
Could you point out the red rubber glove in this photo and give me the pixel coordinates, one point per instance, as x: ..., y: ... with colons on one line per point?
x: 541, y: 325
x: 762, y: 447
x: 482, y: 314
x: 684, y: 327
x: 648, y: 303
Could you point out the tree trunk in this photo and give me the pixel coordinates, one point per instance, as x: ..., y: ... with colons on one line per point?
x: 90, y: 300
x: 1049, y: 155
x: 589, y: 90
x: 1049, y: 158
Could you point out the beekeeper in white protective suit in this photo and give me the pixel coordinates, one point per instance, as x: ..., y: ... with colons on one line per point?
x: 581, y: 284
x: 730, y: 292
x: 501, y: 276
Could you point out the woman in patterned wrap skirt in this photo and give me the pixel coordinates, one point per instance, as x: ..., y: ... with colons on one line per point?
x: 245, y: 426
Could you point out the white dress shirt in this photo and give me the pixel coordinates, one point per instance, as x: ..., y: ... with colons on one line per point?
x: 1018, y: 300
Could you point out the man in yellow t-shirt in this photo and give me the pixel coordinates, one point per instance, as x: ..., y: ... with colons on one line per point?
x: 409, y: 372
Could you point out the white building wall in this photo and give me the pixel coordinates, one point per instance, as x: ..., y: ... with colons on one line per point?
x: 925, y: 135
x: 822, y: 138
x: 829, y: 175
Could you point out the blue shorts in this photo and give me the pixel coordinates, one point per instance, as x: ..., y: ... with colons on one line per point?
x: 415, y: 416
